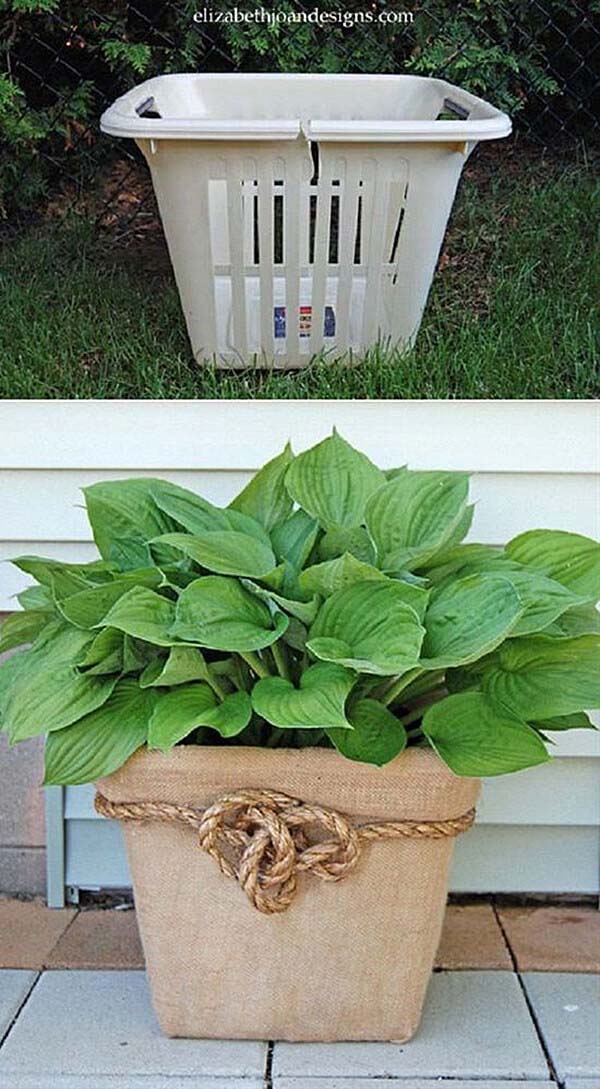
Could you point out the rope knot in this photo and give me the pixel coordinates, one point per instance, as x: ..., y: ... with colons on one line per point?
x: 264, y: 839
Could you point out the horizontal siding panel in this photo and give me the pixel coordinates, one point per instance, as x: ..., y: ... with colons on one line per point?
x: 581, y: 742
x: 488, y: 858
x: 95, y: 856
x: 526, y: 859
x: 47, y: 505
x: 563, y: 792
x: 497, y: 436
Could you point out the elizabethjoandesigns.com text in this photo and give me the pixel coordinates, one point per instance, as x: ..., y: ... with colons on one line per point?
x: 264, y: 16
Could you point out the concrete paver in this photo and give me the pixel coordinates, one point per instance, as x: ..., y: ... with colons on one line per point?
x: 29, y: 931
x: 403, y: 1083
x: 99, y: 939
x: 472, y: 938
x: 567, y: 1008
x: 475, y: 1025
x: 553, y: 939
x: 14, y: 987
x: 582, y: 1083
x: 101, y: 1023
x: 137, y: 1081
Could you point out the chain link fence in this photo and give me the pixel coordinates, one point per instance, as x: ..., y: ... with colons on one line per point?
x: 64, y: 63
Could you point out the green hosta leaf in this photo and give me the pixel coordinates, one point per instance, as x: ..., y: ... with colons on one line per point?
x: 35, y: 597
x: 151, y: 577
x: 53, y: 698
x: 58, y: 642
x: 217, y: 612
x: 413, y: 580
x: 368, y: 627
x: 101, y: 741
x: 178, y: 576
x: 471, y: 675
x: 415, y: 596
x: 461, y: 528
x: 377, y: 735
x: 316, y: 704
x: 577, y: 721
x: 199, y: 516
x: 186, y: 508
x: 581, y: 620
x: 332, y: 482
x: 302, y: 610
x: 462, y: 559
x: 283, y: 579
x: 183, y: 664
x: 338, y: 541
x: 325, y: 578
x: 242, y: 523
x: 186, y: 708
x: 124, y: 510
x: 266, y: 497
x: 225, y: 552
x: 295, y: 635
x: 280, y: 579
x: 143, y: 614
x: 44, y: 570
x: 88, y: 608
x: 137, y: 654
x: 475, y: 735
x: 22, y: 627
x: 569, y: 558
x: 104, y: 654
x: 413, y: 516
x: 542, y: 599
x: 65, y: 583
x: 130, y: 553
x: 294, y: 539
x: 10, y: 669
x: 56, y: 645
x: 468, y: 619
x: 540, y: 678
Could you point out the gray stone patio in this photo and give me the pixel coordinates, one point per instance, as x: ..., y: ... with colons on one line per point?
x: 95, y: 1029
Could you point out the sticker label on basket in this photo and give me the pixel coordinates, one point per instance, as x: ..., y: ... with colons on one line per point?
x: 304, y: 321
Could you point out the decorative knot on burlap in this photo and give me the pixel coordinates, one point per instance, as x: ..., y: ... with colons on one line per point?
x: 265, y: 839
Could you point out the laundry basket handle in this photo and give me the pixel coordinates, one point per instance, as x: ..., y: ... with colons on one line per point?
x: 454, y: 107
x: 143, y: 107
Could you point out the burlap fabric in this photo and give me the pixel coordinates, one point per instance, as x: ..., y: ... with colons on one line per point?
x: 348, y: 960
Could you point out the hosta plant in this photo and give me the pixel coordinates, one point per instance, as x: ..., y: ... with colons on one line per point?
x: 330, y: 604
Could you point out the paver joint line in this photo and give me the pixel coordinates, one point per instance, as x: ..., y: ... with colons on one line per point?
x: 530, y: 1009
x: 60, y: 937
x: 20, y: 1008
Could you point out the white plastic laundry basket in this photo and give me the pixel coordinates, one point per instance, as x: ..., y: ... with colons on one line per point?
x: 302, y: 212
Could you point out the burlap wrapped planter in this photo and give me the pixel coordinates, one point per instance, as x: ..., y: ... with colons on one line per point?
x: 347, y: 960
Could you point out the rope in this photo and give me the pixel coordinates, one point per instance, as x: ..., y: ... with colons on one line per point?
x: 261, y: 838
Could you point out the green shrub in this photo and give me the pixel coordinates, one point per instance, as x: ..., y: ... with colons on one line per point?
x: 329, y: 604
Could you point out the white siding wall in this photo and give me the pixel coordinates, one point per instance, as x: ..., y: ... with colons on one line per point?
x: 535, y: 464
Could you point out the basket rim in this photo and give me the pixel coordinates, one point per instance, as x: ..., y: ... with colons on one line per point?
x: 124, y: 117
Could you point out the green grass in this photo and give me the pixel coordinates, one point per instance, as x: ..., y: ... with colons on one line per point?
x: 511, y: 314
